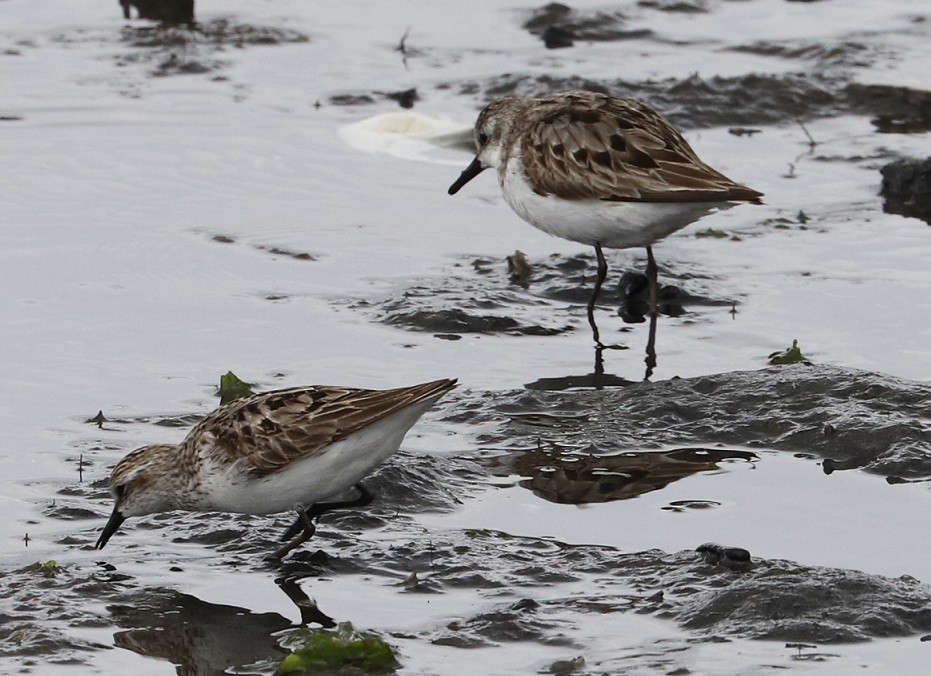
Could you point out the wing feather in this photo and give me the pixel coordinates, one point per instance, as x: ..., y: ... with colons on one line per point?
x: 591, y: 146
x: 266, y: 432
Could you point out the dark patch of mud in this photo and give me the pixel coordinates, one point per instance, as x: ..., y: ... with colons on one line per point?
x: 270, y: 249
x: 831, y: 58
x: 754, y: 99
x: 42, y: 609
x: 485, y: 296
x: 900, y: 110
x: 559, y: 26
x: 405, y: 98
x: 176, y: 49
x: 765, y: 600
x: 857, y: 419
x: 694, y: 102
x: 906, y: 188
x: 676, y: 6
x: 536, y: 590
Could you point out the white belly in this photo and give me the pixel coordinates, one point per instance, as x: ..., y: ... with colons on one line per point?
x: 616, y: 225
x: 314, y: 478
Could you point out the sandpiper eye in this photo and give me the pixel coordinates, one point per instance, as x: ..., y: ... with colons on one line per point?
x: 482, y: 138
x: 119, y: 490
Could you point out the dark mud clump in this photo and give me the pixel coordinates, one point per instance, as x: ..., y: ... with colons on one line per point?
x: 178, y: 49
x: 900, y: 110
x: 854, y: 419
x: 218, y: 33
x: 676, y: 6
x: 754, y: 99
x: 906, y: 188
x: 835, y: 58
x: 268, y: 248
x: 405, y: 98
x: 534, y: 298
x: 560, y: 26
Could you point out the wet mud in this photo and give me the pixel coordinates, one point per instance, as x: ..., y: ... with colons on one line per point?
x: 565, y: 443
x: 195, y: 48
x: 571, y: 448
x: 855, y: 419
x: 712, y: 599
x: 538, y: 297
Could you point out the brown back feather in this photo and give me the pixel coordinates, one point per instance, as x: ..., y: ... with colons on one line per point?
x: 266, y: 432
x: 600, y: 147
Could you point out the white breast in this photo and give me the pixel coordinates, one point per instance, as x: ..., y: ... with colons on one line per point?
x: 314, y: 478
x: 616, y: 225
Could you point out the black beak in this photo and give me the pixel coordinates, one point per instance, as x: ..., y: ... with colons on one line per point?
x: 112, y: 525
x: 471, y: 172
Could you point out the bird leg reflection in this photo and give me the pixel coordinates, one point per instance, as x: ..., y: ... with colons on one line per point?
x: 651, y: 348
x: 310, y: 613
x: 653, y: 283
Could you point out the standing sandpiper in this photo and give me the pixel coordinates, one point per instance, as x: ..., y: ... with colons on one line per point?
x: 599, y: 170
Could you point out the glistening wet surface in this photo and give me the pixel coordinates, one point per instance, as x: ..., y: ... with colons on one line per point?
x: 181, y: 201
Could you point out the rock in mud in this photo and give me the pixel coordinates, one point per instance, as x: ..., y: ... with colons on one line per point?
x: 906, y: 188
x: 166, y: 11
x: 515, y: 296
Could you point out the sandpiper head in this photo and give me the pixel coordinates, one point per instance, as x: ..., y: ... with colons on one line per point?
x: 136, y: 486
x: 492, y: 128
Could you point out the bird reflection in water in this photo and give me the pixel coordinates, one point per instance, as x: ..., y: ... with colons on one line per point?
x: 203, y: 638
x: 633, y: 310
x: 576, y: 479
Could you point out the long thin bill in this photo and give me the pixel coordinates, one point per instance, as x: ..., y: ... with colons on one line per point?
x: 112, y: 525
x: 470, y: 172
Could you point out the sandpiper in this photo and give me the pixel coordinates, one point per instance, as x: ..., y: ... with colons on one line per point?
x: 273, y: 452
x: 599, y: 170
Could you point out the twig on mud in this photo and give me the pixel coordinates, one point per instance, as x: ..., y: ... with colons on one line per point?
x: 811, y: 141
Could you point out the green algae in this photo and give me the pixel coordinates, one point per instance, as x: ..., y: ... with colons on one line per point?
x: 328, y: 650
x: 232, y: 388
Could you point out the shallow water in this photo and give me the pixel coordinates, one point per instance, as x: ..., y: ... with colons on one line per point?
x: 176, y: 204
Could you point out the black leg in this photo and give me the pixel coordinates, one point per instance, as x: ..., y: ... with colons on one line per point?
x: 602, y: 273
x: 315, y: 510
x: 651, y: 279
x: 309, y: 529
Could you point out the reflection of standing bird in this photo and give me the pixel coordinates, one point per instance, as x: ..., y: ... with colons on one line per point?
x: 273, y: 452
x: 599, y: 170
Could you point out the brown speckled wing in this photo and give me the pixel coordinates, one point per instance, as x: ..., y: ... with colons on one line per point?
x: 268, y: 431
x: 598, y: 147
